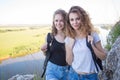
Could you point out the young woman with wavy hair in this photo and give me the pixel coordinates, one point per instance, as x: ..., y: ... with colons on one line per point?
x: 78, y: 55
x: 57, y: 66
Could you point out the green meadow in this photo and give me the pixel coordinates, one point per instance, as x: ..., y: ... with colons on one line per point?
x: 21, y: 40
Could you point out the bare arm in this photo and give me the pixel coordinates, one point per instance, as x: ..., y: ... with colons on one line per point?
x: 97, y: 47
x: 44, y: 47
x: 69, y: 51
x: 99, y: 51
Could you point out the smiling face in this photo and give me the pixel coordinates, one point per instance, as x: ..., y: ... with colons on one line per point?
x: 78, y: 22
x: 58, y: 22
x: 74, y: 20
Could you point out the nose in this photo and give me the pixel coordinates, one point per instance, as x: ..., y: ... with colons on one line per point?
x: 75, y: 21
x: 58, y: 22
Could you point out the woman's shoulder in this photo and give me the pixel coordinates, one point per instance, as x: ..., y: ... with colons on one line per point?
x: 94, y: 34
x: 96, y: 37
x: 67, y: 39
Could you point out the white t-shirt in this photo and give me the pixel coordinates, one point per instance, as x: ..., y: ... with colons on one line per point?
x: 83, y: 61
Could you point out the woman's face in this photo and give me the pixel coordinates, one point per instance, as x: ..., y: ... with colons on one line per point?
x: 75, y: 20
x: 58, y: 22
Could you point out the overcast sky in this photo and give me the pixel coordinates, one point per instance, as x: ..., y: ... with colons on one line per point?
x: 41, y: 11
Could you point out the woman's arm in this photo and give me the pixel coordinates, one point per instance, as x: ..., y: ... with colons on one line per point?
x: 97, y: 47
x: 99, y: 51
x: 69, y: 51
x: 44, y: 47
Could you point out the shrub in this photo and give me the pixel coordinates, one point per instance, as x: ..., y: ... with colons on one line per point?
x: 113, y: 35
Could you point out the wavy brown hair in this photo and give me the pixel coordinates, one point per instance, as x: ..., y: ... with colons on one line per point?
x: 63, y: 14
x: 85, y: 25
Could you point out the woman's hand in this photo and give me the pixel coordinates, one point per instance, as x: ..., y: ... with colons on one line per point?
x: 90, y: 39
x: 44, y: 48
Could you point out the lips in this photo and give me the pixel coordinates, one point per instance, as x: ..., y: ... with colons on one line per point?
x: 75, y: 25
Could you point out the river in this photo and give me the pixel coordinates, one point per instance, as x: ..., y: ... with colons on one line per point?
x: 29, y: 64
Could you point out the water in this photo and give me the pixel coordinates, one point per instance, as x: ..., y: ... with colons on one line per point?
x: 29, y: 64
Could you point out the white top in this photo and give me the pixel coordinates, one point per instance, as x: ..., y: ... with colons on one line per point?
x: 83, y: 61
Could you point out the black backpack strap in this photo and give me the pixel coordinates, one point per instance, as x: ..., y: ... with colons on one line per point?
x: 48, y: 54
x: 49, y: 38
x: 92, y: 52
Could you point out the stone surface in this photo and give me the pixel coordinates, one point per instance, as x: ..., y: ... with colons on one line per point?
x: 112, y: 63
x: 22, y: 77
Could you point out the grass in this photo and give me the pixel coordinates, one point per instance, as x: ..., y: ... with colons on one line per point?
x: 38, y: 78
x: 18, y: 41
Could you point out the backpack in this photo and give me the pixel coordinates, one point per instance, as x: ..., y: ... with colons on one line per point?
x: 48, y: 54
x: 96, y: 60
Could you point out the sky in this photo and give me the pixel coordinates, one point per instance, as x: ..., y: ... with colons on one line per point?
x: 41, y: 11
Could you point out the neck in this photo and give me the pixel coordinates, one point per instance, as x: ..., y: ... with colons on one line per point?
x: 61, y: 33
x: 80, y: 34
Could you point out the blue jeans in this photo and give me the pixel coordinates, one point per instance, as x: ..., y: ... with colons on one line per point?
x: 74, y: 76
x: 56, y: 72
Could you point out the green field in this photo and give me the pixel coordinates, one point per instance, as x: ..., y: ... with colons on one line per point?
x: 18, y: 41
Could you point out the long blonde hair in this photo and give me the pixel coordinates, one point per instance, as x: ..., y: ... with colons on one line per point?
x: 63, y: 14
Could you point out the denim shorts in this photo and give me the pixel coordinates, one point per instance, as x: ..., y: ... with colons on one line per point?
x: 56, y: 72
x: 72, y: 75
